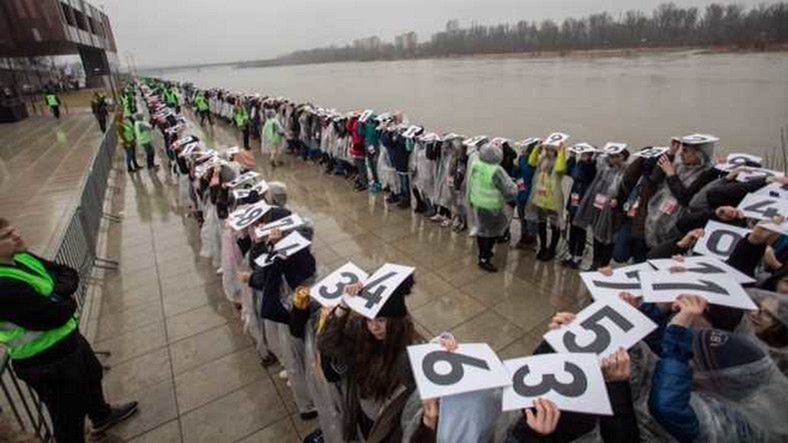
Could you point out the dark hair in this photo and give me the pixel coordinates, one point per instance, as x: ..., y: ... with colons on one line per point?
x: 4, y: 222
x: 378, y: 368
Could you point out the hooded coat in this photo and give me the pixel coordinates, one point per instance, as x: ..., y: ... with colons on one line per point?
x: 494, y: 223
x: 595, y: 208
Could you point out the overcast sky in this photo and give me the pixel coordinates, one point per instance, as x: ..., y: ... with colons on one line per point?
x: 170, y: 32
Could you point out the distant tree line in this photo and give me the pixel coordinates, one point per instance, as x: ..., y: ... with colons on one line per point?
x: 668, y: 26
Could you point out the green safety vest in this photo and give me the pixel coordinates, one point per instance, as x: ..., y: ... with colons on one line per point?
x: 241, y: 118
x: 201, y: 102
x: 142, y: 133
x: 127, y: 110
x: 484, y: 194
x: 52, y: 100
x: 20, y: 342
x: 128, y: 133
x: 270, y: 133
x: 170, y: 98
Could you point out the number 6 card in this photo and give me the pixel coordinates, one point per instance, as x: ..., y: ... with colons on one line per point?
x: 573, y: 382
x: 471, y: 367
x: 602, y: 328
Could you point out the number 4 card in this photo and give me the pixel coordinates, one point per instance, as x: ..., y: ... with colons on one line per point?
x: 378, y: 288
x: 602, y: 328
x: 471, y: 367
x: 573, y: 382
x: 761, y: 207
x: 666, y: 286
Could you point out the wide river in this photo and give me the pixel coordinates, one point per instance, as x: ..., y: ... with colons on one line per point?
x: 640, y: 100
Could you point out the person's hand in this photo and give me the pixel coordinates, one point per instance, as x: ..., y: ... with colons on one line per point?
x: 244, y: 276
x: 631, y: 299
x: 607, y: 271
x: 448, y: 342
x: 431, y: 413
x: 760, y: 235
x: 616, y: 367
x: 689, y: 308
x: 354, y: 289
x: 543, y: 417
x: 614, y: 203
x: 689, y: 240
x: 561, y: 319
x: 680, y: 267
x: 770, y: 259
x: 275, y: 235
x: 666, y: 165
x: 728, y: 213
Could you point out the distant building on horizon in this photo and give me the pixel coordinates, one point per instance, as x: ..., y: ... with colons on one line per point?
x: 368, y: 44
x: 407, y: 42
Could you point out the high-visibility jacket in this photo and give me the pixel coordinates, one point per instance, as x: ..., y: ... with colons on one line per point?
x: 484, y: 194
x: 52, y: 100
x: 241, y: 118
x: 142, y: 133
x: 127, y: 133
x: 22, y: 343
x: 127, y: 109
x: 170, y: 98
x: 202, y: 103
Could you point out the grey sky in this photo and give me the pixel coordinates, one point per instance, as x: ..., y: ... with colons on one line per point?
x: 167, y: 32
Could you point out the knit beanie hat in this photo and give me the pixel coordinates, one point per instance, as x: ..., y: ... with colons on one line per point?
x: 715, y: 349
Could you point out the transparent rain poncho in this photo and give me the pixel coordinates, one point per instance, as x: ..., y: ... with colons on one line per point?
x: 325, y: 395
x: 777, y: 307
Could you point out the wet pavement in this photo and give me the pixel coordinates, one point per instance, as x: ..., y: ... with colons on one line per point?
x: 42, y: 163
x: 177, y: 344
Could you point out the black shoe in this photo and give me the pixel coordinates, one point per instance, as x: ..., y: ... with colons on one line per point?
x: 392, y: 199
x: 567, y: 262
x: 549, y: 255
x: 117, y: 414
x: 487, y: 266
x: 404, y: 204
x: 311, y: 415
x: 268, y: 360
x: 504, y: 238
x: 541, y: 255
x: 315, y: 436
x: 575, y: 264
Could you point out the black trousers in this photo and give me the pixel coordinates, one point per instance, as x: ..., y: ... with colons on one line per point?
x: 486, y: 245
x: 71, y: 389
x: 577, y: 240
x: 603, y: 253
x: 203, y: 116
x: 245, y: 132
x: 55, y: 111
x: 102, y: 121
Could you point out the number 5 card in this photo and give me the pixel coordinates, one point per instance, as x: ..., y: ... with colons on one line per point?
x: 602, y: 328
x: 471, y: 367
x: 573, y: 382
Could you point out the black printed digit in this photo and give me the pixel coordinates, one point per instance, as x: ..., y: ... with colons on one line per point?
x: 249, y: 217
x: 346, y: 279
x: 715, y: 243
x: 764, y: 208
x: 602, y: 335
x: 575, y: 388
x: 373, y: 290
x: 455, y: 360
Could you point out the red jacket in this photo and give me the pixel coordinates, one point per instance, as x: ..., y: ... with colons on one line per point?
x: 354, y: 128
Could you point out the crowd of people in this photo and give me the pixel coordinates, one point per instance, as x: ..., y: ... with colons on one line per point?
x: 708, y: 372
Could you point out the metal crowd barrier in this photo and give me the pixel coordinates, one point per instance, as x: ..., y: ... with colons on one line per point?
x: 75, y: 246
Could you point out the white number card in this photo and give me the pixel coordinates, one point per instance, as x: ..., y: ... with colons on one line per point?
x: 283, y: 224
x: 774, y: 190
x: 243, y: 178
x: 761, y: 207
x: 329, y: 291
x: 706, y: 265
x: 574, y: 382
x: 378, y: 288
x: 666, y: 286
x: 471, y: 367
x: 244, y: 216
x: 556, y: 139
x: 284, y: 248
x: 719, y: 239
x: 624, y: 279
x: 602, y: 328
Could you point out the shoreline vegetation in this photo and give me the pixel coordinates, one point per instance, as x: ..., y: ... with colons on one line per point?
x: 569, y: 54
x: 716, y: 28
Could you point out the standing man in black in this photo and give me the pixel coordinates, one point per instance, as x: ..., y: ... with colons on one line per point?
x: 100, y: 109
x: 39, y: 330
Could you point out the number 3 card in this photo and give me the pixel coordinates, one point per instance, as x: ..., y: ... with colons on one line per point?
x: 602, y: 328
x: 471, y: 367
x: 573, y: 382
x: 329, y: 291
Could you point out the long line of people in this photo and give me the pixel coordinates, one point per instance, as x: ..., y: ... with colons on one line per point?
x: 707, y: 373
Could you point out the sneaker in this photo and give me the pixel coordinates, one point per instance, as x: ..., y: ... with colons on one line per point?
x: 315, y: 437
x: 219, y: 271
x: 487, y: 266
x: 310, y: 415
x: 117, y: 414
x: 446, y: 223
x: 283, y: 374
x: 437, y: 218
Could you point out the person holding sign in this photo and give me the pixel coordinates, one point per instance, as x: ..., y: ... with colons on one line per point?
x: 711, y: 385
x: 547, y: 198
x: 600, y: 203
x: 524, y: 177
x: 378, y: 378
x: 277, y: 283
x: 684, y: 177
x: 490, y: 189
x: 581, y: 167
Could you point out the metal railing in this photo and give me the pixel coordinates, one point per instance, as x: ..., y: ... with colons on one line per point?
x: 75, y: 246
